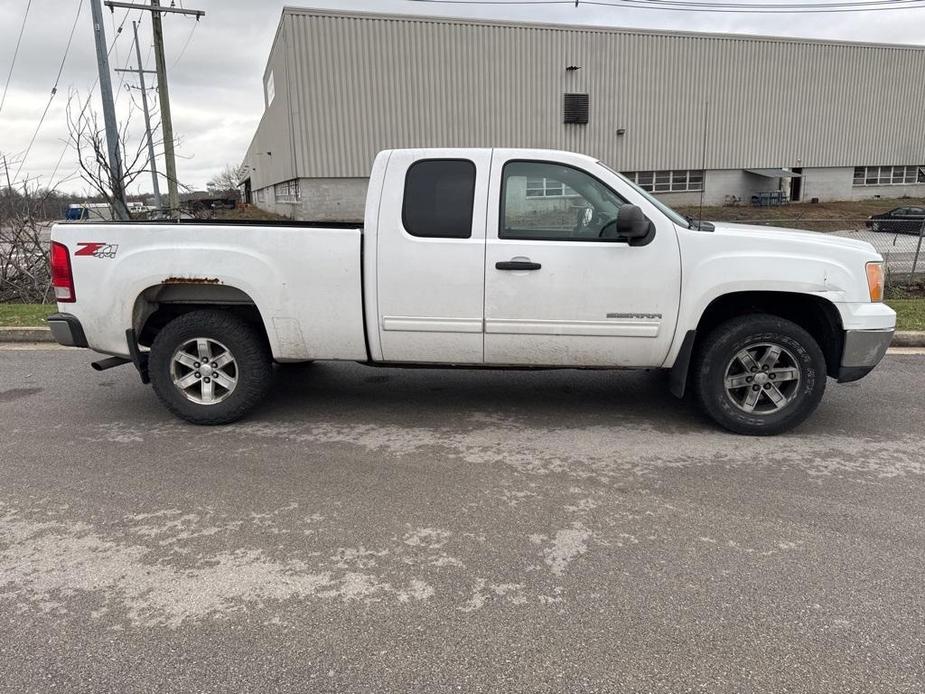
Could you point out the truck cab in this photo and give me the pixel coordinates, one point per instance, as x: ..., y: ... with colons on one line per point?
x: 511, y: 257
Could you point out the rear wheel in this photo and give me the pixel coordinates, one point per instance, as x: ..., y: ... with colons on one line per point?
x: 210, y: 367
x: 759, y: 375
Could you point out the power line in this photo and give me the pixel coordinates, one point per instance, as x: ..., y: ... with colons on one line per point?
x: 862, y: 4
x: 680, y: 6
x: 781, y: 5
x: 746, y: 9
x: 15, y: 54
x: 54, y: 91
x: 163, y: 92
x: 128, y: 58
x: 189, y: 37
x: 67, y: 145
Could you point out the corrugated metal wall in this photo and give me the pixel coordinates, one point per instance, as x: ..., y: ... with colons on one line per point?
x: 362, y: 83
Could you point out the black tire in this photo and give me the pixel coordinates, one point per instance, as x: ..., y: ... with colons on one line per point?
x: 252, y: 365
x: 716, y: 360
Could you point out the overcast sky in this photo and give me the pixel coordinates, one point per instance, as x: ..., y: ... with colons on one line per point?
x: 215, y: 87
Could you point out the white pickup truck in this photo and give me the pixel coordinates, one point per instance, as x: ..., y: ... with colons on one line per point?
x: 480, y: 258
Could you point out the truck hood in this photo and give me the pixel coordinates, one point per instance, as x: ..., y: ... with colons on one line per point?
x: 796, y: 237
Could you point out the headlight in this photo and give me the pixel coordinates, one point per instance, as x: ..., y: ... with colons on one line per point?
x: 875, y: 281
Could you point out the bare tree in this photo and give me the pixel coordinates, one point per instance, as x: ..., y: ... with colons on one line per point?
x: 227, y: 180
x: 88, y: 139
x: 24, y: 274
x: 25, y: 208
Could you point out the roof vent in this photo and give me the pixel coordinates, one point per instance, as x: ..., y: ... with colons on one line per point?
x: 575, y: 109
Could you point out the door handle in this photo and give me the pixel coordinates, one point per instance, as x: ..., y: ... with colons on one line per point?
x: 517, y: 265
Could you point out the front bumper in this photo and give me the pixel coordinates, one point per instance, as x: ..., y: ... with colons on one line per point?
x: 67, y: 330
x: 863, y: 351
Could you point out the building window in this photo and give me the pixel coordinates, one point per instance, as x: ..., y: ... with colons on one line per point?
x: 288, y: 191
x: 548, y: 188
x: 261, y: 197
x: 667, y: 181
x: 888, y: 175
x: 438, y: 200
x: 270, y: 89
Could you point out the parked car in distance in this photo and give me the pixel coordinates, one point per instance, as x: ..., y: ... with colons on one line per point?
x: 101, y: 211
x: 901, y: 220
x: 490, y: 258
x: 88, y: 211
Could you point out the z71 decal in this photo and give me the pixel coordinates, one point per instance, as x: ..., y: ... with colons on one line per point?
x: 97, y: 250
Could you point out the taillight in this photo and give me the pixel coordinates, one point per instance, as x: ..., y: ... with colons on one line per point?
x: 62, y: 279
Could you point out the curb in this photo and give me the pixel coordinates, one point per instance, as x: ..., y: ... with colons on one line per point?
x: 26, y: 335
x: 908, y: 338
x: 903, y: 338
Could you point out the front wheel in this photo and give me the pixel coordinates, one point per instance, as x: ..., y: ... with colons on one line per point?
x: 759, y: 375
x: 210, y: 367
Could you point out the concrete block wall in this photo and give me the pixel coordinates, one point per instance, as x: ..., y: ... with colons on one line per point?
x: 906, y: 190
x: 828, y: 184
x: 344, y: 199
x: 322, y: 200
x: 837, y: 183
x: 333, y: 199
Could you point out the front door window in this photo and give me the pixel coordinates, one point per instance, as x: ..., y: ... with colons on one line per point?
x: 545, y: 201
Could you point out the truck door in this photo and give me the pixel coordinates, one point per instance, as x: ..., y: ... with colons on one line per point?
x: 560, y: 289
x: 431, y: 255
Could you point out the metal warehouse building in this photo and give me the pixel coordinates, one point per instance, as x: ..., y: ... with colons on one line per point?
x: 731, y: 116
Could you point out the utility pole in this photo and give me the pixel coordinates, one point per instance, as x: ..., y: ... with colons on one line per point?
x: 109, y: 115
x: 170, y: 162
x: 152, y: 162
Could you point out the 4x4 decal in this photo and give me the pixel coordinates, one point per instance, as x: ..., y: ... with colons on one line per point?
x: 97, y: 250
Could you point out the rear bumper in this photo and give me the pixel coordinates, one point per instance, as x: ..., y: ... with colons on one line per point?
x: 67, y: 330
x: 863, y: 351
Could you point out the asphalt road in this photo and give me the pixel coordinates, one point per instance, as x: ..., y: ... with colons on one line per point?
x: 382, y: 530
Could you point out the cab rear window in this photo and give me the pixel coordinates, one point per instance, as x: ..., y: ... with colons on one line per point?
x: 439, y: 194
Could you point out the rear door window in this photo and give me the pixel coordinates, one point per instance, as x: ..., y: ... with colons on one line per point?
x: 439, y: 194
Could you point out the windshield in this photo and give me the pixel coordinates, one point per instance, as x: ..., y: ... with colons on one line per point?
x: 675, y: 217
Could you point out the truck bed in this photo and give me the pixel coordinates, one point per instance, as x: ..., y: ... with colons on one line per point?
x: 306, y: 286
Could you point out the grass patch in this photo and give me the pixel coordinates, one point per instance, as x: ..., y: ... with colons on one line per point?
x: 25, y: 315
x: 910, y: 313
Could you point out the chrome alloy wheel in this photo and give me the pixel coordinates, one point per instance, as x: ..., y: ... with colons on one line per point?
x: 763, y: 378
x: 204, y: 370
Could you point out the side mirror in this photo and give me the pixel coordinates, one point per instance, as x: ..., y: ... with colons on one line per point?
x: 633, y: 226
